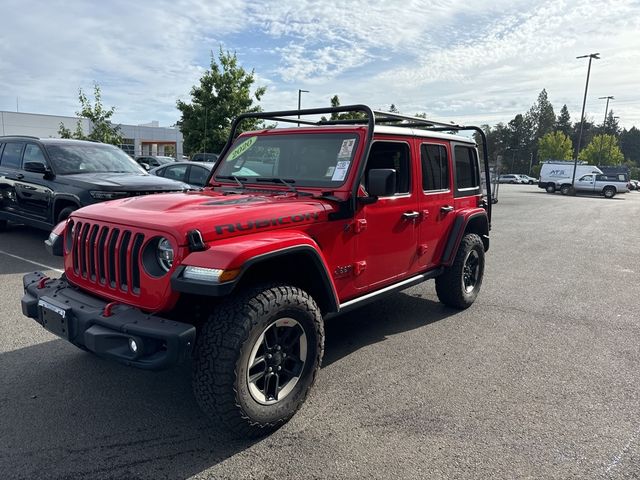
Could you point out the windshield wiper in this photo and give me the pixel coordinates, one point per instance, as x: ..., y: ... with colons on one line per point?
x: 238, y: 180
x: 288, y: 182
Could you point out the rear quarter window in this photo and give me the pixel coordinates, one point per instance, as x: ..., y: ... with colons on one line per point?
x: 467, y: 177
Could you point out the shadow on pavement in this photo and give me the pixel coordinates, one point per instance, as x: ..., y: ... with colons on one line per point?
x: 376, y: 321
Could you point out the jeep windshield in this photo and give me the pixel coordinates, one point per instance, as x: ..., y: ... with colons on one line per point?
x: 70, y: 159
x: 304, y: 159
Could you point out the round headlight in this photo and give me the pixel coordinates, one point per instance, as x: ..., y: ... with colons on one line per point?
x: 164, y: 254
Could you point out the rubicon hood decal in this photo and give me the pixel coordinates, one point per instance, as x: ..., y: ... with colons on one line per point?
x: 264, y: 223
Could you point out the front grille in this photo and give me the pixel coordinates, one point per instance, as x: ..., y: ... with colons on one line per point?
x: 107, y: 256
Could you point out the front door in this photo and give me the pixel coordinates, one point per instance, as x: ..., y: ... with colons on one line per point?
x: 33, y: 190
x: 386, y: 230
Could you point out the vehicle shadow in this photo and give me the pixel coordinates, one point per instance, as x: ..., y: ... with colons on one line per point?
x: 373, y: 323
x: 69, y: 414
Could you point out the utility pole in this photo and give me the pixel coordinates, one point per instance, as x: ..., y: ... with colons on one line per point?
x: 604, y: 123
x: 300, y: 92
x: 590, y: 56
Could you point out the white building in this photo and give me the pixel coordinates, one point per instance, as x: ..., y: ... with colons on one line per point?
x: 147, y: 139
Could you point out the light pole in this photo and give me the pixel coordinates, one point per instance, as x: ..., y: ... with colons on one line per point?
x: 604, y: 123
x: 300, y: 92
x: 591, y: 56
x: 204, y: 146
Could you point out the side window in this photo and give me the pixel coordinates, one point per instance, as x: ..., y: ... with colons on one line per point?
x: 467, y: 178
x: 435, y: 167
x: 160, y: 172
x: 176, y: 172
x: 11, y: 155
x: 33, y: 153
x: 394, y: 155
x: 198, y: 175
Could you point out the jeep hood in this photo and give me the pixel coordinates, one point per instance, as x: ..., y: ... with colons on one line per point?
x: 216, y: 215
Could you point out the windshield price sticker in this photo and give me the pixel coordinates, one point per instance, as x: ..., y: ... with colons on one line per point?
x: 347, y: 148
x: 242, y: 148
x: 340, y: 172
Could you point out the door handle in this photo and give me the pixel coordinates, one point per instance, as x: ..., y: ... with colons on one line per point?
x: 410, y: 215
x: 29, y: 187
x: 18, y: 176
x: 446, y: 209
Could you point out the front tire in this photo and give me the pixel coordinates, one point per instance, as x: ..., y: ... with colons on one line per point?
x: 460, y: 283
x: 257, y: 357
x: 565, y: 189
x: 64, y: 213
x: 550, y: 188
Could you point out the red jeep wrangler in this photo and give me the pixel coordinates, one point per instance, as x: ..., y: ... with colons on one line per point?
x: 296, y: 225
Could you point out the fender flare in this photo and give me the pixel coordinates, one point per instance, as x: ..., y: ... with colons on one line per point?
x: 245, y: 259
x: 458, y: 230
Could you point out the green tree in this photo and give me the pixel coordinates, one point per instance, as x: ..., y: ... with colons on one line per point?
x: 102, y: 130
x: 630, y: 144
x: 563, y: 122
x: 335, y: 102
x: 541, y: 116
x: 555, y: 146
x: 611, y: 125
x: 603, y: 150
x: 224, y: 93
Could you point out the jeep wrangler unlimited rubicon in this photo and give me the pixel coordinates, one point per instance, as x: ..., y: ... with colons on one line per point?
x: 294, y: 226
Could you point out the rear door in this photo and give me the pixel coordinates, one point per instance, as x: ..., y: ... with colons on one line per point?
x: 466, y: 177
x: 436, y: 200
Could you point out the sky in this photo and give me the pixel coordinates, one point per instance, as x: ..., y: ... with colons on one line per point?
x: 479, y: 62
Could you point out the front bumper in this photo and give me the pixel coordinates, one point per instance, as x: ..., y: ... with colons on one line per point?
x: 80, y: 319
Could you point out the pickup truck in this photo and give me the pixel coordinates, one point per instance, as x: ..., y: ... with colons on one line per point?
x: 607, y: 185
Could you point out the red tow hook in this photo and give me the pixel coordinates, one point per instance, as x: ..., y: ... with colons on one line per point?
x: 108, y: 309
x: 42, y: 282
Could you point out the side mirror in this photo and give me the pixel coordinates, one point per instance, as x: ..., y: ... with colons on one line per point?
x: 381, y: 182
x: 36, y: 167
x: 145, y: 166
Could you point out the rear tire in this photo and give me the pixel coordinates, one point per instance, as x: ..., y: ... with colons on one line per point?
x: 460, y: 283
x: 565, y: 189
x: 257, y: 357
x: 550, y: 188
x: 609, y: 192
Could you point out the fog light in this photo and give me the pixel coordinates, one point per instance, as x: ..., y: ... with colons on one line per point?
x: 133, y: 345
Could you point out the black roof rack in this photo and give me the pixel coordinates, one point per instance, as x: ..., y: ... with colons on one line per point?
x: 20, y: 136
x: 369, y: 118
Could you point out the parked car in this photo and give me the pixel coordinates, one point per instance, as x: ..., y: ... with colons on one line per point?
x: 152, y: 161
x: 527, y: 179
x: 205, y: 157
x: 43, y: 180
x: 634, y: 184
x: 509, y: 178
x: 607, y: 185
x: 193, y: 173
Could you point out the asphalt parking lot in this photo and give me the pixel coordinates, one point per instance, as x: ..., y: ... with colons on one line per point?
x: 538, y: 379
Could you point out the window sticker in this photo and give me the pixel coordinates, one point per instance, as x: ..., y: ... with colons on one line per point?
x: 240, y: 149
x: 330, y: 171
x: 341, y: 171
x: 347, y: 148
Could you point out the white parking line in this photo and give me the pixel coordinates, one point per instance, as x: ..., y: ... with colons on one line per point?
x: 47, y: 267
x: 617, y: 458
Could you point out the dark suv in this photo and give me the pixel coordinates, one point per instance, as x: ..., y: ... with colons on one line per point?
x: 43, y: 180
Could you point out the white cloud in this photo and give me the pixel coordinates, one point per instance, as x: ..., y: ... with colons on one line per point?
x: 481, y: 62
